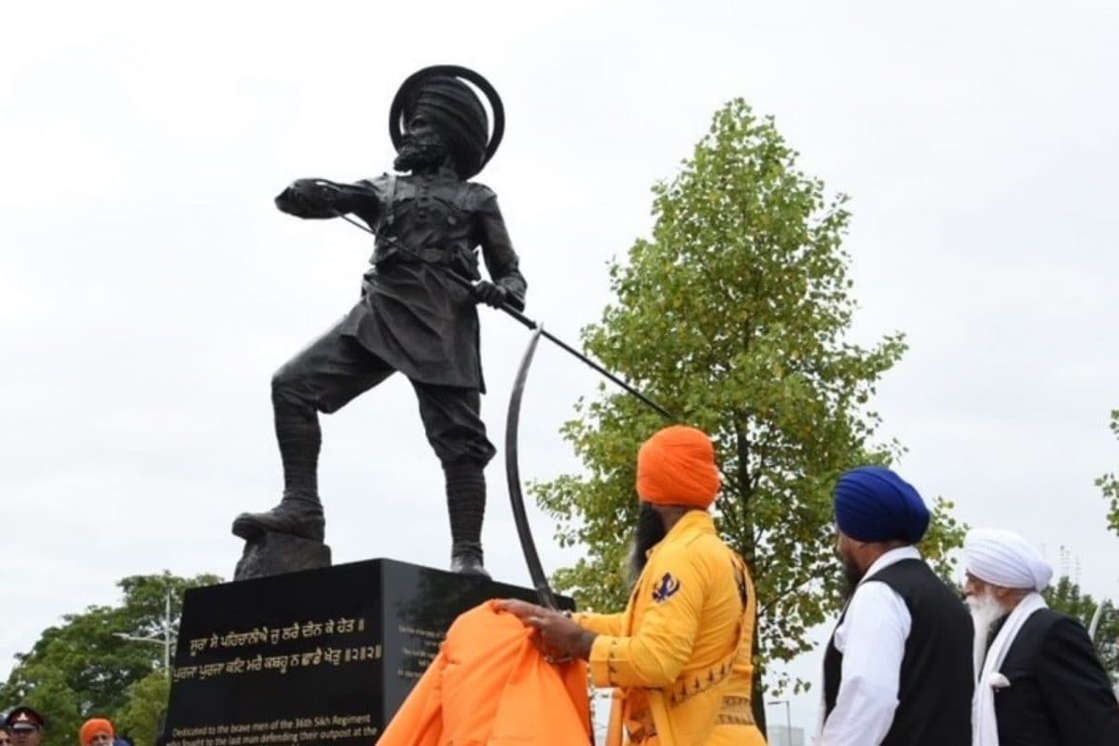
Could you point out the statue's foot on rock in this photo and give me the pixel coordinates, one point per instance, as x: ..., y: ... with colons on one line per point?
x: 468, y: 563
x: 285, y: 518
x: 275, y: 554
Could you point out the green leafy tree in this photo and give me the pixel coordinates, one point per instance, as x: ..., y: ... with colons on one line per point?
x: 141, y: 717
x: 1109, y: 483
x: 1065, y: 596
x: 82, y: 668
x: 735, y: 315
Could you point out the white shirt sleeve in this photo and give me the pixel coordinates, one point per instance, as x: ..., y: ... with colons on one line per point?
x: 872, y: 640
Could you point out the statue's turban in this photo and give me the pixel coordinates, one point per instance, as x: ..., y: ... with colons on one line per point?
x: 441, y: 94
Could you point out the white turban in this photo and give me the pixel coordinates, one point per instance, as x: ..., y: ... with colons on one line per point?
x: 1005, y: 559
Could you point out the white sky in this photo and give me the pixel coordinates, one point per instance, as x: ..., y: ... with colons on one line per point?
x: 148, y: 288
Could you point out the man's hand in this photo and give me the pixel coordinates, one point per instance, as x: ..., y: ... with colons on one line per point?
x: 558, y: 632
x: 490, y: 294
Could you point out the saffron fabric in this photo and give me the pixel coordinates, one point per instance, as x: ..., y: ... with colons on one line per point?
x: 491, y: 685
x: 677, y: 467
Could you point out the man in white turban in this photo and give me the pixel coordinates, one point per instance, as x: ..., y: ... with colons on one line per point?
x: 1040, y: 681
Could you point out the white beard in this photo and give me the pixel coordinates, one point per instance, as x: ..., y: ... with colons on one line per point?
x: 985, y: 611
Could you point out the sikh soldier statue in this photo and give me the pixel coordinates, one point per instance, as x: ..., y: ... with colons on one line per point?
x: 413, y: 316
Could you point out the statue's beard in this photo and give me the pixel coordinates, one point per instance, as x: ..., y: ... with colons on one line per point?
x: 852, y: 576
x: 419, y: 154
x: 985, y: 611
x: 650, y: 532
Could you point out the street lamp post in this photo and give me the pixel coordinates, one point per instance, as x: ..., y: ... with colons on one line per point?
x: 788, y: 719
x: 165, y: 642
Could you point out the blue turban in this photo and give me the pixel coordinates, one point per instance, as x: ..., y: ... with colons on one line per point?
x: 873, y: 503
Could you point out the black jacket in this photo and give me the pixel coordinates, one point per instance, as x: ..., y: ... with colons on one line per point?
x: 1059, y: 694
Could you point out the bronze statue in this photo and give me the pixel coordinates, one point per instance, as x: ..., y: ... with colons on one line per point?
x: 414, y: 317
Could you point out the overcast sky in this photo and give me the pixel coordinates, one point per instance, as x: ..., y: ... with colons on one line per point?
x: 148, y: 288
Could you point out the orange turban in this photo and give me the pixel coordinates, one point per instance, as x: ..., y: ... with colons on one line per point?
x: 677, y: 467
x: 93, y: 727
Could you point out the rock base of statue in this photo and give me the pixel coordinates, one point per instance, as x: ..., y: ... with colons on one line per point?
x: 322, y: 656
x: 278, y: 554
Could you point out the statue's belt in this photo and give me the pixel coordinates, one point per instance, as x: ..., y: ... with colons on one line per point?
x: 394, y: 249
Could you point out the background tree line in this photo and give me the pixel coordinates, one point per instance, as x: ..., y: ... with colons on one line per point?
x: 83, y: 668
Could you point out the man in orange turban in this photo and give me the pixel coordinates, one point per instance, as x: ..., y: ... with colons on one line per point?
x: 680, y: 655
x: 96, y: 732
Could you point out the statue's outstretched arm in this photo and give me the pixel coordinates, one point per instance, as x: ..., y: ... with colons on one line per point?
x: 320, y: 198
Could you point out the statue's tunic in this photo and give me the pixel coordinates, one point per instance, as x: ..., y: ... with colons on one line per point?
x: 412, y: 314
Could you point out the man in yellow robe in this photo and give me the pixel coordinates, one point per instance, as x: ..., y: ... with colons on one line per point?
x: 680, y: 656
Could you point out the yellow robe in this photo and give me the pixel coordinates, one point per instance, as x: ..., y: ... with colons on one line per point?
x: 680, y: 655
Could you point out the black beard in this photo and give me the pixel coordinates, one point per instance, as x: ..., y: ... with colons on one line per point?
x: 650, y: 532
x: 419, y: 155
x: 851, y: 577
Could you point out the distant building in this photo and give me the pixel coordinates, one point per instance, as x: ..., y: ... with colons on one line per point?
x: 782, y: 735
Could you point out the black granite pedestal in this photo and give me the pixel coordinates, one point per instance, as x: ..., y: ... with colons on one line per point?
x: 322, y: 656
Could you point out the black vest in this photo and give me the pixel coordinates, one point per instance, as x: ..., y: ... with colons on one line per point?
x: 936, y: 681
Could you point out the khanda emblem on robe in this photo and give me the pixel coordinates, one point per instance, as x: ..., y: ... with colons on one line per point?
x: 666, y: 588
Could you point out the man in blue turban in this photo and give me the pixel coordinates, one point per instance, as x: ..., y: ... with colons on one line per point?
x: 898, y: 668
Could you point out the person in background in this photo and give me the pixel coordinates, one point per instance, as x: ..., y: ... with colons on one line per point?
x: 26, y: 726
x: 96, y: 732
x: 5, y: 736
x: 1040, y: 682
x: 897, y: 671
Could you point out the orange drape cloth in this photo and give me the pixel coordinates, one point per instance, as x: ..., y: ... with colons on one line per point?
x: 490, y: 685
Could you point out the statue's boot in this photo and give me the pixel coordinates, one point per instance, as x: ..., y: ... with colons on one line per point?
x: 294, y: 515
x: 299, y: 512
x: 466, y: 505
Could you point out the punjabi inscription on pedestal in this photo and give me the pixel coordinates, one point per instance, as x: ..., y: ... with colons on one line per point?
x: 281, y: 660
x: 320, y: 656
